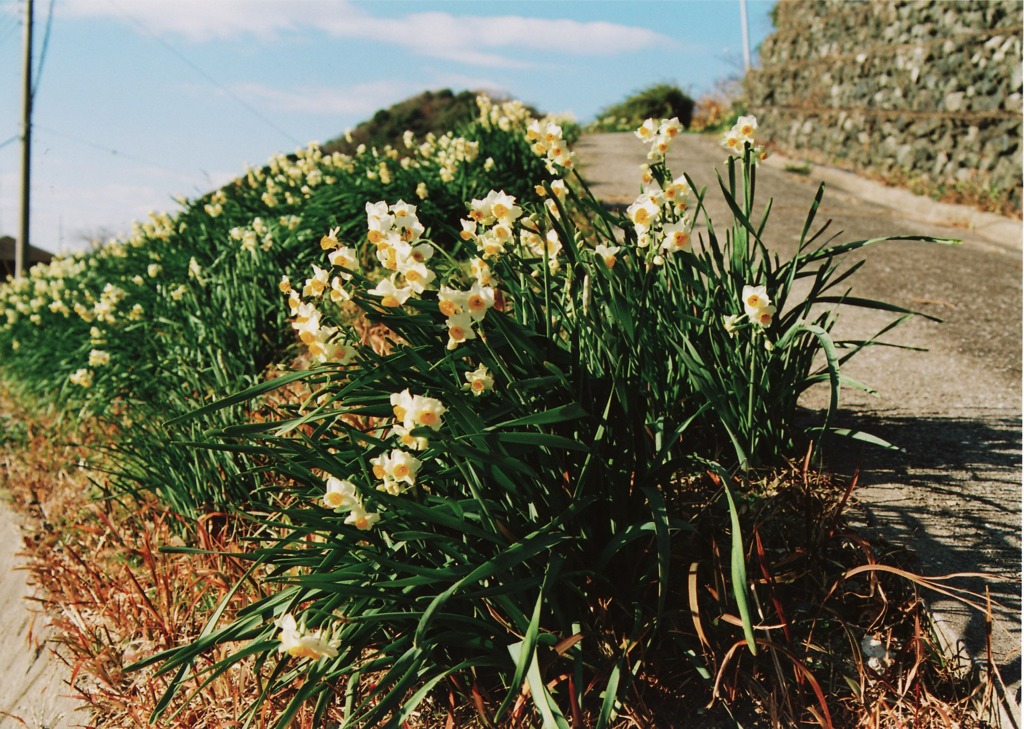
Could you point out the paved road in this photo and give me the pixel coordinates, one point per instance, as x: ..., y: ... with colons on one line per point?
x: 954, y: 496
x: 33, y: 692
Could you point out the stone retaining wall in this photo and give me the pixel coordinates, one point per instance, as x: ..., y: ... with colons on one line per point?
x: 926, y: 87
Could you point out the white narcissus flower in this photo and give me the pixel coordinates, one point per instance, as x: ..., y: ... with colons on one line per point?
x: 647, y: 130
x: 316, y: 285
x: 468, y: 231
x: 330, y: 241
x: 754, y: 298
x: 338, y: 291
x: 676, y: 192
x: 479, y: 268
x: 401, y: 466
x: 731, y: 322
x: 670, y: 127
x: 606, y: 253
x: 361, y: 518
x: 479, y: 381
x: 340, y: 493
x: 451, y: 301
x: 425, y: 411
x: 745, y: 127
x: 460, y: 328
x: 297, y: 642
x: 503, y: 207
x: 478, y: 300
x: 763, y: 316
x: 82, y: 377
x: 757, y: 305
x: 306, y: 322
x: 343, y: 257
x: 391, y: 295
x: 677, y: 237
x: 402, y: 403
x: 643, y: 212
x: 378, y: 211
x: 732, y: 142
x: 97, y: 358
x: 406, y: 438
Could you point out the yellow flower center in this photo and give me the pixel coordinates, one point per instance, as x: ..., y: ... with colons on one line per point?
x: 457, y: 333
x: 401, y: 471
x: 447, y: 307
x: 390, y: 301
x: 428, y: 417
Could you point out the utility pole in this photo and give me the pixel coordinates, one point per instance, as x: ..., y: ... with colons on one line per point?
x: 746, y: 36
x: 21, y: 246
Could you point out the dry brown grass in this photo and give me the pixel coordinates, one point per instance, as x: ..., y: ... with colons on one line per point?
x: 116, y: 598
x: 113, y: 597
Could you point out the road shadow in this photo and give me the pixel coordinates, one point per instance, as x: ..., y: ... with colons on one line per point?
x: 951, y: 495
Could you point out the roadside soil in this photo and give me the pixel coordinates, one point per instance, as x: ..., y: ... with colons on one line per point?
x: 953, y: 494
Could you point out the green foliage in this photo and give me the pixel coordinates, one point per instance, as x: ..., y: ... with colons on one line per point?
x: 465, y: 478
x: 480, y: 491
x: 659, y: 101
x: 188, y: 308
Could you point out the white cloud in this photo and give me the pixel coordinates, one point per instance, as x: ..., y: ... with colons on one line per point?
x: 348, y: 101
x: 506, y: 41
x: 201, y: 20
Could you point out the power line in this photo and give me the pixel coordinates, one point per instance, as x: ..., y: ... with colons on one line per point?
x: 103, y: 148
x: 7, y: 32
x: 42, y: 51
x: 251, y: 109
x: 15, y: 138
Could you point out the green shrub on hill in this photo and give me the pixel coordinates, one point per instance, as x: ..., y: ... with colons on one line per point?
x: 660, y: 101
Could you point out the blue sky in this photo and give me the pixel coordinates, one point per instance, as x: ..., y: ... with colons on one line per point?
x: 140, y: 101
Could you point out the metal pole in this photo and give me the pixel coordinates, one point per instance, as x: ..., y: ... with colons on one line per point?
x: 21, y: 246
x: 746, y: 35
